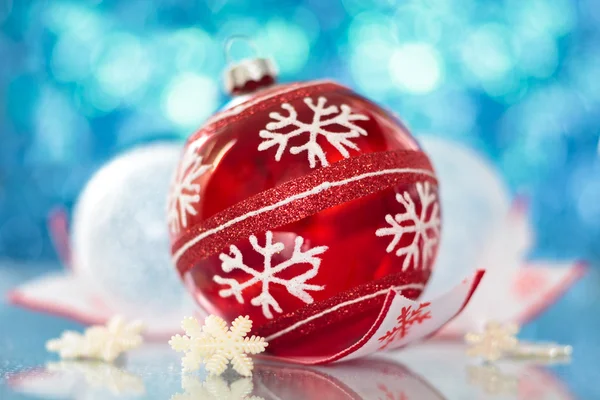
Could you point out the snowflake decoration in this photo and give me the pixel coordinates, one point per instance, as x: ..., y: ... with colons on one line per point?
x: 492, y: 380
x: 99, y: 342
x: 279, y: 132
x: 215, y: 388
x: 185, y: 192
x: 496, y: 341
x: 407, y: 318
x: 102, y: 375
x: 296, y: 286
x: 216, y: 346
x: 425, y: 226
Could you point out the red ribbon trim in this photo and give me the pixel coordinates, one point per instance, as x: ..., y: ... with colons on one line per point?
x: 264, y: 100
x: 385, y: 308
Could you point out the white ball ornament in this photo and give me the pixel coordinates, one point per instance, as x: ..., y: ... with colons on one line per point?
x: 476, y: 204
x: 120, y: 240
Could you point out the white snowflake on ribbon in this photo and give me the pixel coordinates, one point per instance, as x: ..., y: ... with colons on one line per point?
x: 99, y: 342
x: 296, y: 286
x: 215, y: 345
x: 424, y: 226
x: 284, y: 128
x: 388, y: 394
x: 215, y: 388
x: 407, y: 318
x: 185, y: 191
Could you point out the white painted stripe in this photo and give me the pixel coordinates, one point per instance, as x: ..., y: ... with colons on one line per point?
x: 315, y: 190
x: 342, y: 305
x: 244, y: 106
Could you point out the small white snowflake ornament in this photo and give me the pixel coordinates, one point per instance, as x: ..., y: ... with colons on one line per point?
x: 216, y: 346
x: 71, y: 345
x: 496, y: 341
x: 99, y: 342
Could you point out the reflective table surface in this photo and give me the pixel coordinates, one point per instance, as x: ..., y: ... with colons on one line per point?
x: 430, y: 370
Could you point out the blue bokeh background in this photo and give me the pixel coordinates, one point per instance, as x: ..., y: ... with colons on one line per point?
x: 518, y: 80
x: 81, y: 81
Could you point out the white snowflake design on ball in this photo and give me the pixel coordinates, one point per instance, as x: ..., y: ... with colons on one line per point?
x: 282, y: 129
x: 425, y: 226
x: 296, y: 286
x: 185, y: 193
x: 216, y: 345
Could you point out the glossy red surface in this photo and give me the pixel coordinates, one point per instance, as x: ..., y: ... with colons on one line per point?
x: 354, y: 257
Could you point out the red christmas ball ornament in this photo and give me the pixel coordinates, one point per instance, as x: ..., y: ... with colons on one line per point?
x: 301, y: 207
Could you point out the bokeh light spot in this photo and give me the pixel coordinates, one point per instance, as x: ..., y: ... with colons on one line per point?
x: 554, y: 17
x: 486, y: 53
x: 416, y: 68
x: 192, y: 49
x: 288, y: 44
x: 63, y: 17
x: 60, y: 132
x: 124, y: 66
x: 189, y: 99
x: 369, y: 67
x: 588, y: 205
x: 542, y: 61
x: 371, y: 26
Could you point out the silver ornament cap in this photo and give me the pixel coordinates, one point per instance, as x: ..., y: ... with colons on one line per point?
x: 250, y: 74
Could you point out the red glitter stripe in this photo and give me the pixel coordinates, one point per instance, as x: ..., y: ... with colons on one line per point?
x: 187, y: 253
x: 264, y: 100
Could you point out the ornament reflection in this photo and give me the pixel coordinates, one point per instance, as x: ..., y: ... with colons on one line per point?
x: 515, y: 381
x: 101, y: 375
x: 377, y: 379
x: 430, y: 371
x: 448, y: 367
x: 492, y: 380
x: 215, y: 388
x: 89, y: 380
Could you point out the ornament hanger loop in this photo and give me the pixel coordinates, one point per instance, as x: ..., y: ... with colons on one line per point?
x: 247, y: 74
x: 240, y: 38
